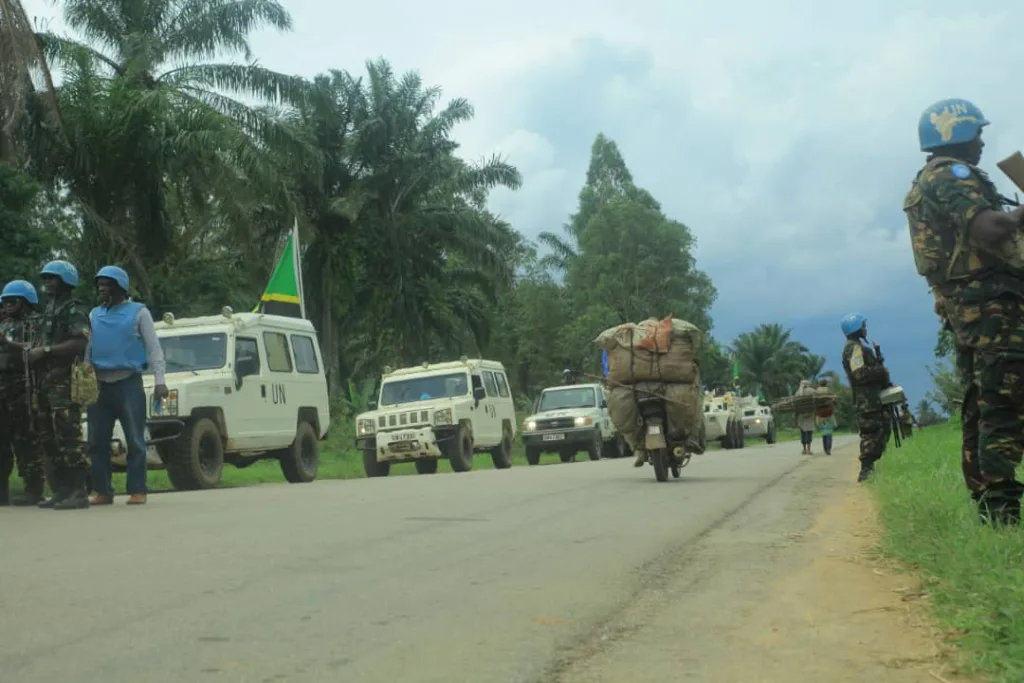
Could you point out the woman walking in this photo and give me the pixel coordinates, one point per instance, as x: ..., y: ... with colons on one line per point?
x: 805, y: 420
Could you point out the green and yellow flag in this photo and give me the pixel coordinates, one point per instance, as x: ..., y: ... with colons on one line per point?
x: 735, y: 373
x: 283, y: 295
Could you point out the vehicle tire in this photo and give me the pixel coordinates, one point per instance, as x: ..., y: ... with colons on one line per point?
x: 658, y: 459
x: 532, y: 455
x: 730, y: 434
x: 502, y: 455
x: 741, y: 435
x: 459, y: 450
x: 427, y: 466
x: 613, y: 448
x: 197, y: 461
x: 301, y: 462
x: 374, y: 468
x: 594, y: 450
x: 772, y: 436
x: 567, y: 456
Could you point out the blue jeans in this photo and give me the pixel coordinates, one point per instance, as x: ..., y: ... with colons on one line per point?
x: 826, y: 442
x: 124, y: 401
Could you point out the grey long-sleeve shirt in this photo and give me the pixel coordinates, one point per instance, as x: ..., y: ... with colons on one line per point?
x: 154, y: 352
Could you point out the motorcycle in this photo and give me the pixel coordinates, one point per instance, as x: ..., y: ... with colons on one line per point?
x: 663, y: 454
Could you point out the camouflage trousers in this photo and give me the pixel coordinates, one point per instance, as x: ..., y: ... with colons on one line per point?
x: 992, y: 333
x: 59, y: 431
x: 969, y: 418
x: 17, y: 444
x: 875, y: 429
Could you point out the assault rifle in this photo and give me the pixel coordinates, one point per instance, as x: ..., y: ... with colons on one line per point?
x: 892, y: 396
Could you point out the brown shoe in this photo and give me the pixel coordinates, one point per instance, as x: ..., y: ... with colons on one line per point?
x: 136, y: 499
x: 101, y: 499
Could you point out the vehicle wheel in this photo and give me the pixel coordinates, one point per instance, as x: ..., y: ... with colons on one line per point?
x: 730, y: 433
x: 567, y: 456
x: 771, y: 436
x: 427, y: 466
x: 301, y: 462
x: 198, y: 458
x: 658, y: 457
x: 532, y: 456
x: 460, y: 450
x: 374, y: 468
x: 594, y: 450
x: 613, y: 447
x: 502, y: 455
x: 741, y: 435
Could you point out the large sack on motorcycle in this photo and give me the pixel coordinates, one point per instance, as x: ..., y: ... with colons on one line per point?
x: 653, y: 351
x: 684, y: 409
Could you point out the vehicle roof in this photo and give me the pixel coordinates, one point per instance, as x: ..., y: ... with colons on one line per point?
x: 468, y: 364
x: 574, y: 386
x: 239, y: 321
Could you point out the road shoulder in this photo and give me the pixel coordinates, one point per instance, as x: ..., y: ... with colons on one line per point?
x: 788, y: 590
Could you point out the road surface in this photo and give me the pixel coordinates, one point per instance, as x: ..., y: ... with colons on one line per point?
x: 523, y: 575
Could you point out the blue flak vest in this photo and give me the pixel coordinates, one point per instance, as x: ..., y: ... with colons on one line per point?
x: 116, y: 345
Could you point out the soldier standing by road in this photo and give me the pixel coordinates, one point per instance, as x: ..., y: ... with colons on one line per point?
x: 18, y: 300
x: 963, y: 244
x: 867, y: 377
x: 60, y: 340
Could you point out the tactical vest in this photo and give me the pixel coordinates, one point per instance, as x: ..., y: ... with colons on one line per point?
x: 944, y: 254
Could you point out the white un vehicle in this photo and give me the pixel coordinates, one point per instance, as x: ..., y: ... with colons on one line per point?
x: 439, y: 410
x: 243, y: 387
x: 569, y: 419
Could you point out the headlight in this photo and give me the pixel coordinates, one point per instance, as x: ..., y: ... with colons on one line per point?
x: 443, y: 417
x: 583, y: 421
x: 365, y: 427
x: 167, y: 407
x: 529, y: 425
x: 757, y: 421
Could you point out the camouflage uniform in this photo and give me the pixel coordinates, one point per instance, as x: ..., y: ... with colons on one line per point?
x: 15, y: 417
x: 867, y: 377
x: 984, y: 294
x: 58, y: 421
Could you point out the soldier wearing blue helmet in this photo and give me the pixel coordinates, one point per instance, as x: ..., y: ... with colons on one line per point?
x: 123, y: 345
x: 18, y: 300
x: 868, y: 377
x: 965, y: 246
x: 57, y: 345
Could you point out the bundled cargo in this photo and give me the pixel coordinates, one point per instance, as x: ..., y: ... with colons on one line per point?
x: 818, y: 402
x: 652, y: 351
x: 684, y: 408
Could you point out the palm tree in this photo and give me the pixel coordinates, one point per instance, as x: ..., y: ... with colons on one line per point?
x: 152, y: 140
x: 768, y: 357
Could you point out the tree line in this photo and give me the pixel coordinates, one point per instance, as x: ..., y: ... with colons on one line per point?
x: 145, y: 154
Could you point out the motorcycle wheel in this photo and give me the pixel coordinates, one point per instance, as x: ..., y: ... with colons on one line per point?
x: 676, y: 470
x: 658, y: 459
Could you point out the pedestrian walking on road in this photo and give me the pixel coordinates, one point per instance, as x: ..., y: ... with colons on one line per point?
x: 805, y: 421
x: 827, y: 427
x: 123, y: 345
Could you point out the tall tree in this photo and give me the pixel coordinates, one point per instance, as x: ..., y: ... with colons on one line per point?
x: 769, y: 358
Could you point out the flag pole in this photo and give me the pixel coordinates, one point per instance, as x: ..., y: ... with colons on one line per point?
x: 298, y: 268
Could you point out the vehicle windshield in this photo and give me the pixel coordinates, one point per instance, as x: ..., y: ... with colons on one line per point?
x: 560, y: 399
x: 424, y: 388
x: 192, y: 352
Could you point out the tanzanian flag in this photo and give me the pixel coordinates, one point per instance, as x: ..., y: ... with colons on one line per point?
x: 735, y: 373
x: 283, y: 295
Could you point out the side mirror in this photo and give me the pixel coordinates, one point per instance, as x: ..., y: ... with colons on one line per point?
x: 479, y: 394
x: 604, y: 403
x: 371, y: 404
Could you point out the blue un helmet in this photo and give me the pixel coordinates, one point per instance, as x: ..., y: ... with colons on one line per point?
x: 949, y: 122
x: 115, y: 273
x: 22, y: 288
x: 67, y: 273
x: 852, y: 323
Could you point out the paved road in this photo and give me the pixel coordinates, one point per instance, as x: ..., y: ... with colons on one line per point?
x: 486, y: 577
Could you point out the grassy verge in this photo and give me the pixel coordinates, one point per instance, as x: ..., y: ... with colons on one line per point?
x: 974, y: 574
x: 338, y: 460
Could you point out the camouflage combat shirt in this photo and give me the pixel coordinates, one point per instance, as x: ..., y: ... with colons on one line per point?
x: 61, y: 321
x: 12, y: 371
x: 867, y: 376
x: 945, y: 197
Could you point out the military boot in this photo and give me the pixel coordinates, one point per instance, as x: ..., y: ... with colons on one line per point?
x: 32, y: 495
x: 865, y: 471
x: 78, y: 497
x: 61, y: 489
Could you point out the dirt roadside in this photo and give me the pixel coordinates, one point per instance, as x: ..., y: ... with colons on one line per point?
x: 788, y: 590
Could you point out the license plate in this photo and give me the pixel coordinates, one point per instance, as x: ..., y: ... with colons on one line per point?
x: 554, y: 437
x: 403, y: 446
x: 405, y: 436
x: 654, y: 429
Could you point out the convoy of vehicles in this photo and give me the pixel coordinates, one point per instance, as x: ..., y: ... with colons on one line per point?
x: 572, y: 418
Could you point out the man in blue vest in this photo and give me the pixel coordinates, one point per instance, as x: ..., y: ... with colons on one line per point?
x: 123, y: 345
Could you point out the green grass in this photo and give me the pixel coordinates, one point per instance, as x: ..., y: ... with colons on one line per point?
x: 974, y: 574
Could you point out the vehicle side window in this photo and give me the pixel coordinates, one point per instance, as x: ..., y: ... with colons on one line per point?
x: 246, y: 347
x: 502, y: 384
x: 490, y: 384
x: 278, y: 357
x: 477, y: 383
x: 305, y: 354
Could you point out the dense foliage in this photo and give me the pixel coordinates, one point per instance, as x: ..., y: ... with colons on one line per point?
x: 144, y: 154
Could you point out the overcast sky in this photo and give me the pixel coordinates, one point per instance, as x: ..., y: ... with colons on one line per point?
x: 783, y: 134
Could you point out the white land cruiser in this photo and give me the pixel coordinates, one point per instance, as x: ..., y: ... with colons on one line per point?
x: 758, y: 421
x: 439, y: 410
x: 243, y: 387
x: 569, y: 419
